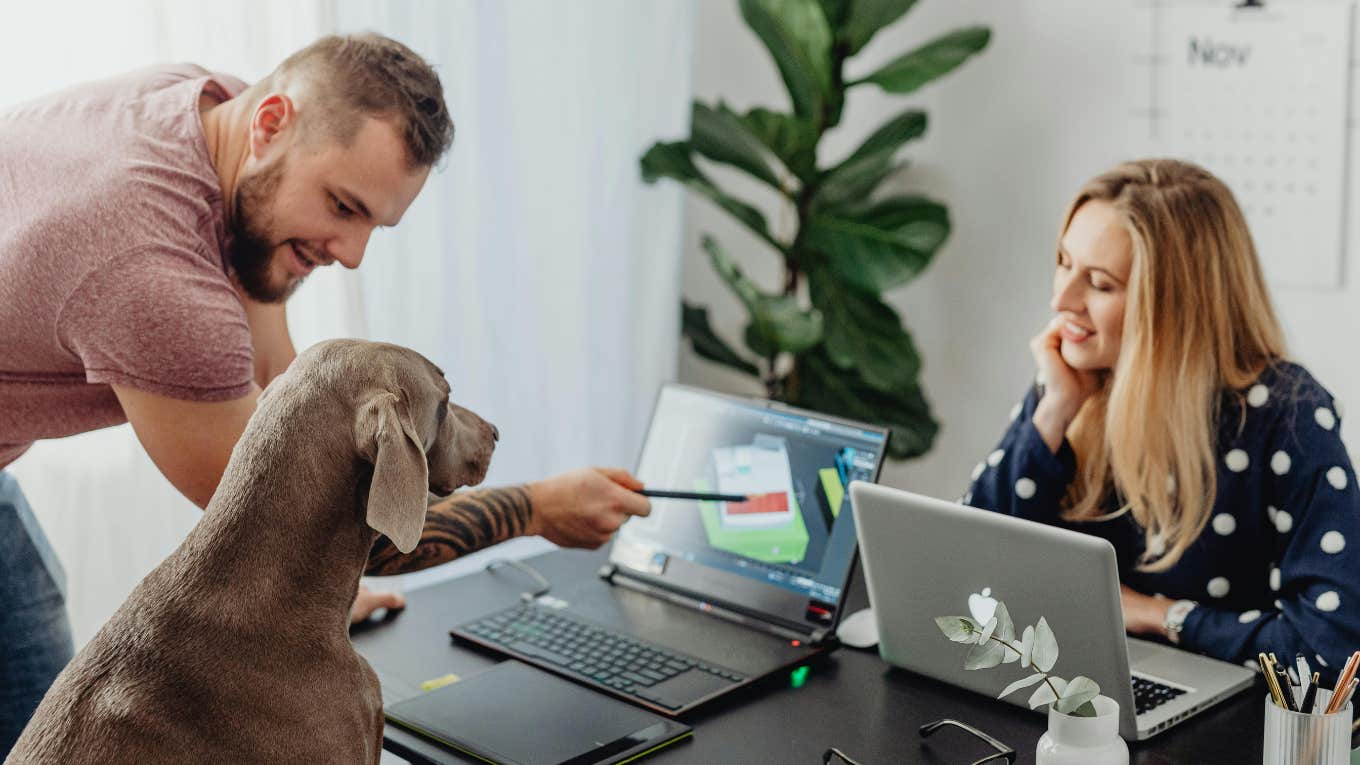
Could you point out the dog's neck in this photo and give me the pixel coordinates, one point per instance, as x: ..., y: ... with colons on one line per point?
x: 290, y: 507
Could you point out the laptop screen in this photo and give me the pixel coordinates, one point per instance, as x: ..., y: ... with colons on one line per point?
x: 785, y: 552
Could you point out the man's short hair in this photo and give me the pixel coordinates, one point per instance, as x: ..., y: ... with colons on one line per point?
x: 350, y: 77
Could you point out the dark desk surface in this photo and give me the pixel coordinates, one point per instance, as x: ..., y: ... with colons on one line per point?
x: 851, y: 700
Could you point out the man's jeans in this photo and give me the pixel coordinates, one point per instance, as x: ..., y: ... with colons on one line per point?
x: 35, y: 636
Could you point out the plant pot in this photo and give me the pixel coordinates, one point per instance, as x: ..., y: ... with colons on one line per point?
x: 1084, y: 740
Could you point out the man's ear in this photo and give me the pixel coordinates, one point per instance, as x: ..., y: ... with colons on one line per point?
x: 272, y: 116
x: 397, y: 498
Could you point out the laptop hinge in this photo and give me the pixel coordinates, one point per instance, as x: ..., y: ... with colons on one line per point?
x: 614, y: 575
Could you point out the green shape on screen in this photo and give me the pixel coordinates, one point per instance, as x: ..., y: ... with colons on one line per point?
x: 798, y: 677
x: 835, y: 490
x: 779, y: 544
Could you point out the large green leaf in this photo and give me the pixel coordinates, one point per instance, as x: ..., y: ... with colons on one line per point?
x: 824, y: 387
x: 672, y: 160
x: 799, y: 39
x: 861, y: 19
x: 694, y: 325
x: 934, y: 59
x: 864, y: 333
x: 879, y: 246
x: 854, y: 179
x: 778, y: 322
x: 792, y: 139
x: 723, y: 137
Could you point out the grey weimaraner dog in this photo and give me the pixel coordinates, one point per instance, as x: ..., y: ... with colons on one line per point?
x: 236, y: 648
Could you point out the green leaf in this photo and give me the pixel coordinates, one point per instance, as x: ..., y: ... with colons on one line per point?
x: 1005, y: 627
x: 778, y: 322
x: 792, y: 139
x: 959, y: 629
x: 822, y: 386
x: 1045, y: 647
x: 1023, y: 682
x: 854, y: 182
x: 988, y: 630
x: 673, y: 160
x: 1085, y: 710
x: 883, y: 245
x: 934, y: 59
x: 1044, y: 693
x: 864, y: 333
x: 1078, y: 692
x: 835, y: 11
x: 799, y: 39
x: 694, y: 325
x: 862, y: 18
x: 723, y: 137
x: 984, y: 655
x: 907, y: 126
x: 1027, y: 648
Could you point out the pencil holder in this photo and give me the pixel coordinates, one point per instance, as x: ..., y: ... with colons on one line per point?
x: 1295, y: 738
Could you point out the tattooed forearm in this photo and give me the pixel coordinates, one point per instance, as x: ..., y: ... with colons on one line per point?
x: 455, y: 526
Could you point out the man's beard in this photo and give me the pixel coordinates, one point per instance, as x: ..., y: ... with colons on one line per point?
x: 251, y: 252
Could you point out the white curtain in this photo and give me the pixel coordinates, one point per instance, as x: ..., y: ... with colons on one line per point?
x: 535, y: 267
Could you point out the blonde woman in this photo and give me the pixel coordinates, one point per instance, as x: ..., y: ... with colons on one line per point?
x: 1170, y: 423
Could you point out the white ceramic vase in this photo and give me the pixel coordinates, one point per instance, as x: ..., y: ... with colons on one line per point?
x: 1084, y: 740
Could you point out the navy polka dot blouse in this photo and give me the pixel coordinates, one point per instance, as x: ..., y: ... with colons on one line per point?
x: 1278, y: 566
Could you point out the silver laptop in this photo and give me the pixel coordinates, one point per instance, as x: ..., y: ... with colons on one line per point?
x: 925, y: 558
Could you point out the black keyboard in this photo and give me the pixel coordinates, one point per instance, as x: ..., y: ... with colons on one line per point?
x: 657, y: 677
x: 1150, y: 694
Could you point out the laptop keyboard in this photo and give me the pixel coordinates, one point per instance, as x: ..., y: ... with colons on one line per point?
x: 1150, y: 694
x: 583, y: 651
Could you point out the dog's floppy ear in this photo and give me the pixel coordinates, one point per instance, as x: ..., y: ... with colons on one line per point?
x: 397, y: 496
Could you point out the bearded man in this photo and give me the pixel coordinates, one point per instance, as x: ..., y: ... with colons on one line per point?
x: 152, y: 227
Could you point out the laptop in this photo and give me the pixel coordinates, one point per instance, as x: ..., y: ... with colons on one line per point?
x: 702, y: 598
x: 925, y: 558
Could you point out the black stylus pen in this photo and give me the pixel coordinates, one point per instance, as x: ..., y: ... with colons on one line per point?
x: 665, y: 494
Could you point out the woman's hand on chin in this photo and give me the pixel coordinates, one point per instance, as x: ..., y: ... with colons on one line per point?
x: 1065, y: 388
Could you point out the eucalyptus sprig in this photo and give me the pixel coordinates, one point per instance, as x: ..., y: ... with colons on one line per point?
x: 995, y: 643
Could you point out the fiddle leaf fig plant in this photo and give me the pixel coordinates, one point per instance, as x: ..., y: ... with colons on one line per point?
x: 824, y: 338
x: 995, y: 643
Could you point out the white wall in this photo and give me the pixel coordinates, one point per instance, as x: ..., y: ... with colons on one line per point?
x: 1013, y: 133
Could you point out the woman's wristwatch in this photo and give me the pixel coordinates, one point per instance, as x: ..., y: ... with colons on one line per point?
x: 1175, y: 619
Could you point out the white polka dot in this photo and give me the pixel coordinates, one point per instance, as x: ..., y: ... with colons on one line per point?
x: 1338, y: 408
x: 1280, y: 462
x: 1247, y: 617
x: 1237, y: 460
x: 995, y: 457
x: 1218, y: 587
x: 1025, y: 488
x: 1015, y: 410
x: 1325, y: 418
x: 977, y: 471
x: 1225, y: 524
x: 1156, y: 546
x: 1333, y: 542
x: 1337, y: 478
x: 1270, y: 513
x: 1321, y: 660
x: 1274, y: 578
x: 1258, y: 395
x: 1283, y: 521
x: 1279, y: 606
x: 1328, y: 601
x: 1251, y: 664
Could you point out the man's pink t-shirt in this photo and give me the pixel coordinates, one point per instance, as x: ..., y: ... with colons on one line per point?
x: 112, y: 264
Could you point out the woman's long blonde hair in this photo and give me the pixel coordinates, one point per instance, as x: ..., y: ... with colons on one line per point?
x: 1198, y: 321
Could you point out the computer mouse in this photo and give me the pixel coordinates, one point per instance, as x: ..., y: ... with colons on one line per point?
x: 859, y: 630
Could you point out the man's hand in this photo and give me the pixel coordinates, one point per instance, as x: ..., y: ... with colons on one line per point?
x: 368, y: 601
x: 1143, y: 614
x: 585, y: 507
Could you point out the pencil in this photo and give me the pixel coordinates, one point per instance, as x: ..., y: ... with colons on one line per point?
x: 1271, y: 683
x: 699, y: 495
x: 1343, y: 697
